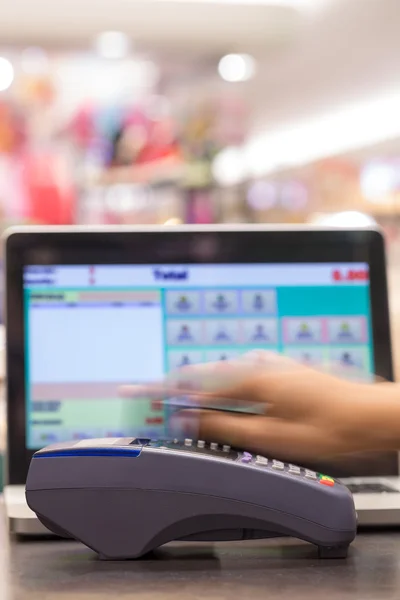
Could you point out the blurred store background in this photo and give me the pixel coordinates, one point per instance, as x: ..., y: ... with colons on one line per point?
x: 163, y: 111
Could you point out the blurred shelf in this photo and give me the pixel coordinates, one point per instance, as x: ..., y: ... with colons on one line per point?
x: 168, y: 171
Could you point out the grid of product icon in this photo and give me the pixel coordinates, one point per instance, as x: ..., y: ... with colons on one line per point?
x: 212, y: 325
x: 341, y: 341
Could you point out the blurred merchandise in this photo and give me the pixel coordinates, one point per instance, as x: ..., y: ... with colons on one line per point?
x: 139, y: 152
x: 229, y: 113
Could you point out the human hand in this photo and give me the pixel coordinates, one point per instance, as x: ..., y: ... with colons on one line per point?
x: 301, y: 414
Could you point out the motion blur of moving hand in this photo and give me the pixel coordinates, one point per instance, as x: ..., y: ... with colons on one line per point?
x: 284, y: 409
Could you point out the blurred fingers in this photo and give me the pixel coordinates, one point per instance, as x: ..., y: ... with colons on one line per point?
x: 231, y: 379
x: 271, y: 437
x: 264, y: 435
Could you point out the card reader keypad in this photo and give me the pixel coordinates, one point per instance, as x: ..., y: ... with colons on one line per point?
x: 198, y: 447
x: 245, y: 458
x: 279, y: 466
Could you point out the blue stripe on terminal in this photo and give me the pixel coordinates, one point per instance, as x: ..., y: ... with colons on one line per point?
x: 113, y: 452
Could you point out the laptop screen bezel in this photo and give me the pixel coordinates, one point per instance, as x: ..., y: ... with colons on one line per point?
x: 183, y: 245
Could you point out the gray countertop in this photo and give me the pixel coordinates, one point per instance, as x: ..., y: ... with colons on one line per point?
x: 285, y: 569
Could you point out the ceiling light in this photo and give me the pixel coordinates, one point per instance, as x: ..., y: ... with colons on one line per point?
x: 379, y: 180
x: 112, y: 44
x: 228, y: 166
x: 331, y: 134
x: 237, y: 67
x: 6, y: 74
x: 347, y: 219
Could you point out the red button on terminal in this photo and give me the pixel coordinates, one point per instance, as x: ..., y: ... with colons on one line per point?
x: 327, y: 482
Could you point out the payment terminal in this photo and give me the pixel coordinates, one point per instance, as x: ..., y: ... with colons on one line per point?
x: 124, y: 497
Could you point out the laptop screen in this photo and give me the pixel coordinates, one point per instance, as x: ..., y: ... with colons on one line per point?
x: 91, y: 328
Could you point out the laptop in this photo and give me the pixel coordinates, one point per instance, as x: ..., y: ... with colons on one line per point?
x: 90, y: 309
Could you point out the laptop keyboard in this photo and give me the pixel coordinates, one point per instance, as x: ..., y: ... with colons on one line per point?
x: 371, y: 488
